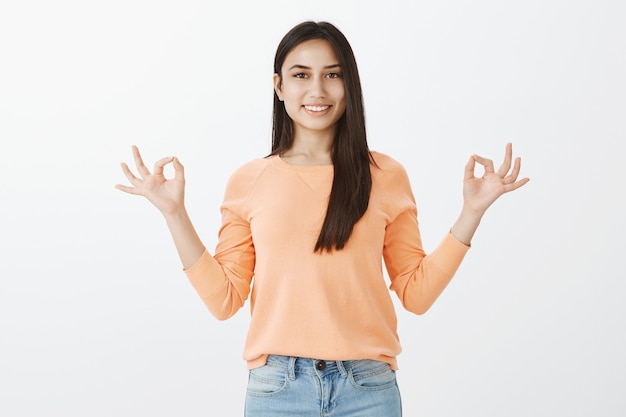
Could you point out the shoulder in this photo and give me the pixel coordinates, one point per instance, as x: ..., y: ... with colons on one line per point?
x: 251, y: 170
x: 243, y: 179
x: 386, y: 166
x: 391, y: 185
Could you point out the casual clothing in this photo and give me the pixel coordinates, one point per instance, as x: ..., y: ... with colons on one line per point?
x: 289, y: 386
x: 335, y: 305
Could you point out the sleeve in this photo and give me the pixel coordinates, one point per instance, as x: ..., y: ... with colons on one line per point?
x: 223, y: 280
x: 417, y: 278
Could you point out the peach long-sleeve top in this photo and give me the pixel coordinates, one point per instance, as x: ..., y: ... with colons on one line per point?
x: 333, y: 306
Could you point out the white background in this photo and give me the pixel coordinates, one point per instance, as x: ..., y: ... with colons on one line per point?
x: 96, y: 317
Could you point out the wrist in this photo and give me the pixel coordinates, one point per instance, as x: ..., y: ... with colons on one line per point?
x: 472, y: 213
x: 175, y: 215
x: 465, y: 226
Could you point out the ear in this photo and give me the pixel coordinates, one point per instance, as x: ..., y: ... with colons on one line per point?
x: 278, y: 86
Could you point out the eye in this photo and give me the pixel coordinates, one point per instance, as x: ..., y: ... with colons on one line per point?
x: 333, y: 75
x: 300, y: 75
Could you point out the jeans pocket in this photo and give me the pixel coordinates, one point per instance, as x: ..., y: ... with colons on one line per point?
x: 370, y: 375
x: 266, y: 380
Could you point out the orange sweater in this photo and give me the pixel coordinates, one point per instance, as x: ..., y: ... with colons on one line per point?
x: 333, y: 306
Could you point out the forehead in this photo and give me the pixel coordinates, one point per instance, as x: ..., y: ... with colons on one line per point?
x: 315, y: 53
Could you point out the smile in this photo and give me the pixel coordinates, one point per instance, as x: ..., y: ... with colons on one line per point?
x: 316, y: 108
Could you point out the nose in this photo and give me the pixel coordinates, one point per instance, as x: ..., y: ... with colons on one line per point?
x: 317, y: 89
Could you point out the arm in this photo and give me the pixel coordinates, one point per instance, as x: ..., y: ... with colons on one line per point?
x: 418, y: 278
x: 223, y: 281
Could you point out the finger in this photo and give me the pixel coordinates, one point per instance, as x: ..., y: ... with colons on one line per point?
x: 515, y: 172
x: 515, y: 185
x: 143, y: 171
x: 469, y: 169
x: 179, y: 170
x: 506, y: 164
x: 128, y: 173
x: 126, y: 189
x: 486, y: 163
x: 158, y: 165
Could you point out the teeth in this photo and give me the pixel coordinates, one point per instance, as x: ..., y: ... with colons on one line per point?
x: 316, y: 108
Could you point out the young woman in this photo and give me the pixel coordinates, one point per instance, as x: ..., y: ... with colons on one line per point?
x: 312, y: 223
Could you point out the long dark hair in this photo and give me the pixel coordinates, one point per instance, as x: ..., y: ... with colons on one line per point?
x: 352, y: 181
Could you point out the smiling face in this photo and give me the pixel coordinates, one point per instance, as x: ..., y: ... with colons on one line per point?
x: 311, y: 86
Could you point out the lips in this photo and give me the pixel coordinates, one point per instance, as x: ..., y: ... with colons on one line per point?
x: 316, y: 108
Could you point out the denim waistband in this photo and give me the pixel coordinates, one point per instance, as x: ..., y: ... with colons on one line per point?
x: 321, y: 367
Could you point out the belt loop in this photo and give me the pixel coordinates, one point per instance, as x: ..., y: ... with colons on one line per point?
x: 342, y: 369
x: 291, y: 370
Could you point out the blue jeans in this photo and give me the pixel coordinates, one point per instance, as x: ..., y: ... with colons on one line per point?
x: 289, y: 386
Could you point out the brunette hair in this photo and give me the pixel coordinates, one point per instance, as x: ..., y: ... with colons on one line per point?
x: 352, y: 181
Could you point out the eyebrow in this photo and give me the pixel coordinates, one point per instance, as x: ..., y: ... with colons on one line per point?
x: 298, y: 66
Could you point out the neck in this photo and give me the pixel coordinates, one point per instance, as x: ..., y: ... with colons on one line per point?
x: 310, y: 148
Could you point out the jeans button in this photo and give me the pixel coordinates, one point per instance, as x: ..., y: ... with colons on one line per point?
x: 320, y: 365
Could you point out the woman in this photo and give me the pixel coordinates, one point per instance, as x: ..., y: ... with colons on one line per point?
x: 312, y: 223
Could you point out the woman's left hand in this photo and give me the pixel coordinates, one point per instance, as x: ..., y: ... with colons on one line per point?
x: 480, y: 193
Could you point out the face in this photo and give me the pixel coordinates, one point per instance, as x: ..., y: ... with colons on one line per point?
x: 311, y: 87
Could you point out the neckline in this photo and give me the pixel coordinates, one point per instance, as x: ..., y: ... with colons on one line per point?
x: 310, y: 168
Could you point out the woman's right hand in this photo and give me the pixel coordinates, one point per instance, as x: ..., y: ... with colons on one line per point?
x: 167, y: 195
